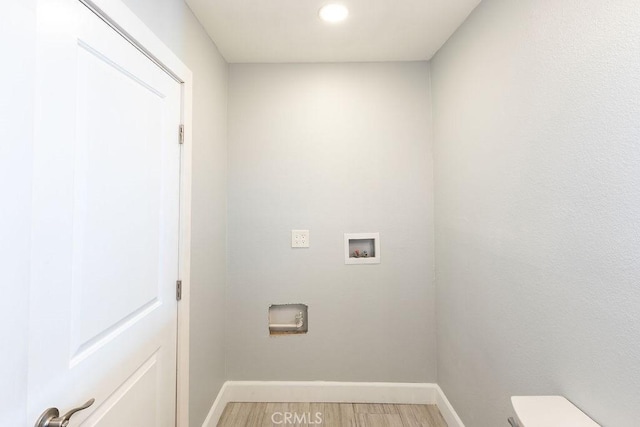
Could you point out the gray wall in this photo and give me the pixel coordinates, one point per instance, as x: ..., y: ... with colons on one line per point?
x: 174, y: 23
x: 332, y: 148
x: 537, y: 153
x: 17, y: 74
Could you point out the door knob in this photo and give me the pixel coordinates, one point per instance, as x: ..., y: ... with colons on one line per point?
x: 51, y: 417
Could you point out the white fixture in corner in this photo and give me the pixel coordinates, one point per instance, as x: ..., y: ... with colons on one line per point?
x: 549, y: 411
x: 333, y: 12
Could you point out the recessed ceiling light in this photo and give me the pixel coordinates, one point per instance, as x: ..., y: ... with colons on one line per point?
x: 334, y: 12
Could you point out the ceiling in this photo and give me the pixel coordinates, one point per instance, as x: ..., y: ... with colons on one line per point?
x: 291, y: 31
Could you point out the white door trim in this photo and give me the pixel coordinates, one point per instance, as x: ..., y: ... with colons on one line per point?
x: 124, y: 21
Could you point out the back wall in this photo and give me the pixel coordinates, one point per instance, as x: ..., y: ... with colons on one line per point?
x: 331, y: 148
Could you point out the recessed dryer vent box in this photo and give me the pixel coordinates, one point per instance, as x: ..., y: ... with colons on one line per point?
x: 362, y: 248
x: 287, y: 319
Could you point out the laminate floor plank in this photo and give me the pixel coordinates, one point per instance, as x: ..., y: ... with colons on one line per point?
x: 330, y: 415
x: 374, y: 408
x: 436, y: 415
x: 425, y: 415
x: 231, y: 413
x: 256, y: 414
x: 269, y: 410
x: 379, y: 420
x: 411, y: 417
x: 302, y: 414
x: 226, y: 414
x: 347, y: 415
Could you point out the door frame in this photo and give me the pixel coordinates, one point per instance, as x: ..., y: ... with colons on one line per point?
x: 119, y: 17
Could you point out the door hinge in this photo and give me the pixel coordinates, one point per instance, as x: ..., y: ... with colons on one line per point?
x: 181, y: 134
x: 178, y: 290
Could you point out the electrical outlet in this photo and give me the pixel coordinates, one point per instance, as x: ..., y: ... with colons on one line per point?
x: 299, y: 238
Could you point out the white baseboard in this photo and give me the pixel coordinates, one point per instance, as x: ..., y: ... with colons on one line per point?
x: 335, y: 392
x: 448, y: 413
x: 216, y: 409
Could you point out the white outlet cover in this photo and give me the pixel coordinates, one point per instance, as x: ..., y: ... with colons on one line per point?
x: 299, y: 238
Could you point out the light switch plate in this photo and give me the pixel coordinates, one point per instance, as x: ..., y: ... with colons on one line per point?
x: 299, y: 238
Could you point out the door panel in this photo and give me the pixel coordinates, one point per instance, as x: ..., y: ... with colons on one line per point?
x: 103, y: 297
x: 121, y: 410
x: 103, y: 314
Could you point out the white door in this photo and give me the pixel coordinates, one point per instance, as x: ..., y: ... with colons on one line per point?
x: 103, y: 311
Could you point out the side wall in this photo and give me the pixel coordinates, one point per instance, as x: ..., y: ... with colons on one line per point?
x: 17, y: 74
x: 537, y: 153
x: 331, y: 148
x: 176, y: 25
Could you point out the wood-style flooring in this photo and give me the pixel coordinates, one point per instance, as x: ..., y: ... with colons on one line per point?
x: 330, y: 415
